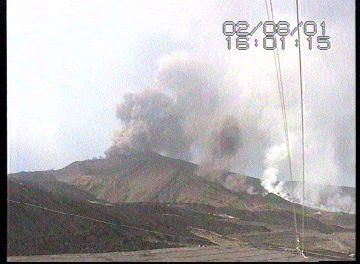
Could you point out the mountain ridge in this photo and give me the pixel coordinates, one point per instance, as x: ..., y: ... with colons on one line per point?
x: 142, y: 177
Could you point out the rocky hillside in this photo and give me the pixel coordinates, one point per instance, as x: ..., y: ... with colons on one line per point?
x: 44, y: 220
x: 150, y: 177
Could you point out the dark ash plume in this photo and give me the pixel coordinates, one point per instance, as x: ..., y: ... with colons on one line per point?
x: 182, y: 118
x: 152, y: 123
x: 225, y: 139
x: 197, y: 115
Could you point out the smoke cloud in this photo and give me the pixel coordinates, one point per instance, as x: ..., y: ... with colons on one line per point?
x: 152, y: 123
x: 325, y: 197
x: 197, y: 114
x: 225, y: 139
x: 270, y: 181
x: 181, y: 118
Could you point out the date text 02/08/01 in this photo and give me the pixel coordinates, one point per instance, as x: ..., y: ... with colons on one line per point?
x: 270, y: 29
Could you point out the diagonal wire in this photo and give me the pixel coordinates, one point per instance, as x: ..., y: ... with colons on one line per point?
x: 101, y: 221
x: 137, y: 228
x: 302, y: 129
x: 284, y: 116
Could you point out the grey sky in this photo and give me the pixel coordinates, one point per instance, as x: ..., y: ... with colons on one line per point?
x: 70, y: 62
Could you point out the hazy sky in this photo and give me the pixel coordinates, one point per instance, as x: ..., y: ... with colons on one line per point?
x: 70, y: 62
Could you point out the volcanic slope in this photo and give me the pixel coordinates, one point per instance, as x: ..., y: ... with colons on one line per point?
x: 150, y: 177
x: 44, y: 221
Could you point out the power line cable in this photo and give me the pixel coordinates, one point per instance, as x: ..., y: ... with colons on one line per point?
x: 142, y: 229
x: 302, y: 130
x: 101, y: 221
x: 284, y: 116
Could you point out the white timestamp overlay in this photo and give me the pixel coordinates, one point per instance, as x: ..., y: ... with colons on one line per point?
x: 240, y: 35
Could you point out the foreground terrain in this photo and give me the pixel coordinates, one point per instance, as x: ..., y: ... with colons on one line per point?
x: 189, y: 254
x: 143, y: 202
